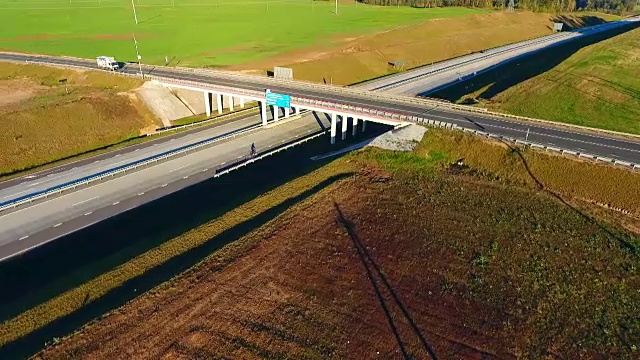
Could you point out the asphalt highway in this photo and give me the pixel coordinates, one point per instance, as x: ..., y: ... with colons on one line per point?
x: 41, y: 222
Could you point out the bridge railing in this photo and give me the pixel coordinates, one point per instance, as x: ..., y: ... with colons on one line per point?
x: 397, y: 99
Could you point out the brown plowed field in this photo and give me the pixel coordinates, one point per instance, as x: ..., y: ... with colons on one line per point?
x: 391, y: 262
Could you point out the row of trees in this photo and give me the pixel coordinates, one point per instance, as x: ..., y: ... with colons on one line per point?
x: 613, y: 6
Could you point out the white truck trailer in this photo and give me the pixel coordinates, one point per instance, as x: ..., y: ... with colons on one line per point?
x: 107, y: 62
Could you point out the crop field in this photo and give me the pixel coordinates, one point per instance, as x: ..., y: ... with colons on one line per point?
x: 195, y: 32
x: 490, y: 270
x: 587, y: 83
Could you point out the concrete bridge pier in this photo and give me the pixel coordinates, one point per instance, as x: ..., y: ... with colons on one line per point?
x: 276, y: 110
x: 219, y: 103
x: 333, y: 127
x: 354, y: 129
x: 286, y: 113
x: 207, y: 103
x: 230, y: 103
x: 345, y: 123
x: 263, y: 112
x: 364, y: 125
x: 241, y: 102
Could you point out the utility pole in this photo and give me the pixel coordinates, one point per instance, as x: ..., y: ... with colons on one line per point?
x: 336, y: 7
x: 526, y: 138
x: 134, y: 11
x: 138, y: 54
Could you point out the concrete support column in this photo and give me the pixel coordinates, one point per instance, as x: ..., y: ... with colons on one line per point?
x: 345, y: 123
x: 333, y: 127
x: 364, y: 125
x: 354, y: 129
x: 219, y: 103
x: 286, y: 113
x: 207, y: 103
x: 230, y: 103
x: 241, y: 102
x: 263, y: 112
x: 275, y: 113
x: 296, y: 110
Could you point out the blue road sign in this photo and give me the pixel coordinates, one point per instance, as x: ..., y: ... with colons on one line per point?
x: 279, y: 100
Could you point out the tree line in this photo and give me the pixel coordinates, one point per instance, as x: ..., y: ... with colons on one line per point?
x: 611, y: 6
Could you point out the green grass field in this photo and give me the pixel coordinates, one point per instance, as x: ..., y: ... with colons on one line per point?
x: 195, y: 32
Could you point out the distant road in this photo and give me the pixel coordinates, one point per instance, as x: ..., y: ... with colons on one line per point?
x: 426, y: 79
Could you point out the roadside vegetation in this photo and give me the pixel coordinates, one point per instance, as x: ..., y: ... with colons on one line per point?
x: 494, y: 239
x: 595, y: 84
x: 51, y: 114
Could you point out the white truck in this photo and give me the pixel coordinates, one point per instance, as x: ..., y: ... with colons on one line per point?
x: 107, y: 62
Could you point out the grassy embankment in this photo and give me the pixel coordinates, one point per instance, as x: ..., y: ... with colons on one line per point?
x: 358, y: 58
x: 581, y: 83
x: 579, y: 185
x: 44, y: 120
x: 209, y: 33
x: 493, y: 248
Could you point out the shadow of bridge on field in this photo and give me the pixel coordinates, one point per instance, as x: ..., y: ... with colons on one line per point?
x: 376, y: 276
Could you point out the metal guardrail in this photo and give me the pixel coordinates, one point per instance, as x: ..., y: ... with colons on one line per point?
x: 117, y: 170
x: 531, y: 144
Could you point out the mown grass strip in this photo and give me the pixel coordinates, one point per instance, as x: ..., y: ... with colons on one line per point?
x: 72, y: 300
x: 604, y: 184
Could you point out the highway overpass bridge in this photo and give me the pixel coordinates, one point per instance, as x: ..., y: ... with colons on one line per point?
x: 41, y: 207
